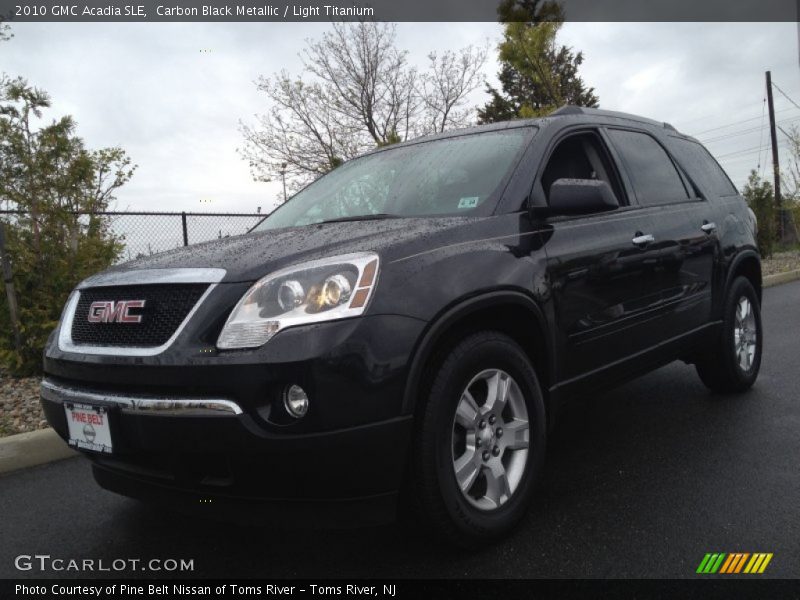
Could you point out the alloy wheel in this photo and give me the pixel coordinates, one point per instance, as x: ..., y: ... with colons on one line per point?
x: 745, y: 334
x: 490, y: 439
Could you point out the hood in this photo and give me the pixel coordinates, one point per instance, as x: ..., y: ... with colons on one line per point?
x: 253, y: 255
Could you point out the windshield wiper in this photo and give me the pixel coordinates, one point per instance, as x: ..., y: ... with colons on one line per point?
x: 372, y: 217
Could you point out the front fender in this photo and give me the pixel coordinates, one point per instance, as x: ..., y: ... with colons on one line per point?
x: 461, y: 312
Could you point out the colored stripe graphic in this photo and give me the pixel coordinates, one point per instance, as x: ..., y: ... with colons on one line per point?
x: 764, y: 564
x: 737, y: 563
x: 744, y: 558
x: 717, y: 563
x: 734, y: 563
x: 711, y: 563
x: 727, y: 564
x: 703, y: 563
x: 755, y: 562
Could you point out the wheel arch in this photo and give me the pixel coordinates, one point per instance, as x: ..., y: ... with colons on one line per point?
x: 511, y: 312
x: 747, y: 264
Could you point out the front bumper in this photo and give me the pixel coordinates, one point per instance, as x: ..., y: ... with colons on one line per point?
x: 191, y: 425
x: 192, y: 451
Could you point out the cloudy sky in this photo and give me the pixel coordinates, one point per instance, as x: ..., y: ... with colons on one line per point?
x: 172, y: 94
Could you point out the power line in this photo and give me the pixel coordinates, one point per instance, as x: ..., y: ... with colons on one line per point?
x: 736, y: 123
x: 746, y: 154
x: 794, y: 144
x: 785, y: 95
x: 729, y: 135
x: 750, y: 156
x: 748, y: 151
x: 706, y: 117
x: 724, y: 126
x: 744, y: 151
x: 742, y: 132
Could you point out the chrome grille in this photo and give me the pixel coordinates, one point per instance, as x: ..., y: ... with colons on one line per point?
x: 166, y: 307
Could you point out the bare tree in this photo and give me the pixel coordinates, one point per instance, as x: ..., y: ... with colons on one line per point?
x: 443, y: 89
x: 5, y: 35
x: 302, y: 131
x: 369, y: 78
x: 358, y: 92
x: 5, y: 31
x: 791, y: 185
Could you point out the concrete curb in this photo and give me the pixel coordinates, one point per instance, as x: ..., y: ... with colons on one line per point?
x: 39, y: 447
x: 33, y: 448
x: 779, y: 278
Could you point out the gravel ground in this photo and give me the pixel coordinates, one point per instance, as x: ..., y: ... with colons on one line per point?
x: 19, y: 398
x: 780, y: 262
x: 19, y: 405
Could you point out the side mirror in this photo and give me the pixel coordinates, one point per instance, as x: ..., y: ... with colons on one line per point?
x: 581, y: 197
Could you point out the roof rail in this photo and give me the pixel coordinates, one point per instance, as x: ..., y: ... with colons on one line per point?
x: 571, y: 109
x: 568, y: 109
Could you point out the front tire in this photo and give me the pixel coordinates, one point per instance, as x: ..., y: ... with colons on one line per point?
x: 480, y: 441
x: 733, y: 361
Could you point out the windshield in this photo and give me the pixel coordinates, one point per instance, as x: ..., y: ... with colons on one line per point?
x: 454, y: 175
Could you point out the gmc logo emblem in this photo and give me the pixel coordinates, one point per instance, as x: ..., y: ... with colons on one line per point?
x: 108, y: 311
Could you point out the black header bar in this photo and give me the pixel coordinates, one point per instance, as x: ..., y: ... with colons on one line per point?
x: 277, y: 11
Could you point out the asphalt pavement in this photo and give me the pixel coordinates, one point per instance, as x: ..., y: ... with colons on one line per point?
x: 642, y: 481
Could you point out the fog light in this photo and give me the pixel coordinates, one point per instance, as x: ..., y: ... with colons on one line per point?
x: 295, y: 400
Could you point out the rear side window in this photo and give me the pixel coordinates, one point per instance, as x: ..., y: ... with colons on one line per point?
x: 653, y: 174
x: 701, y: 167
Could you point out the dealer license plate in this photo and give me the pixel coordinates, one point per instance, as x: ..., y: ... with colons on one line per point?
x: 89, y: 428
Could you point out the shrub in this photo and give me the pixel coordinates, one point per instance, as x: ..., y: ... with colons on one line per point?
x: 760, y: 198
x: 49, y: 175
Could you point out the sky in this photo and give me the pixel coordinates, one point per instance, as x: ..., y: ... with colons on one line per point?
x: 172, y: 94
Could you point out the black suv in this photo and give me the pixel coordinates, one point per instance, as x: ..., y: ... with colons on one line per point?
x: 407, y: 326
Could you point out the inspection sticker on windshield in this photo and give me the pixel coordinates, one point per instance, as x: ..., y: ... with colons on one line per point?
x: 88, y: 427
x: 468, y: 202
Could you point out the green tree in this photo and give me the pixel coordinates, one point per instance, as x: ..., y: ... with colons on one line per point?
x: 47, y: 173
x: 537, y: 75
x: 761, y: 199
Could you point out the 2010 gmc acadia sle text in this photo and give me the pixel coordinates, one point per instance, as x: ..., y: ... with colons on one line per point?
x: 403, y: 331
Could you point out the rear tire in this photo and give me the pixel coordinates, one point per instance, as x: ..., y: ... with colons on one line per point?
x: 480, y: 441
x: 734, y: 358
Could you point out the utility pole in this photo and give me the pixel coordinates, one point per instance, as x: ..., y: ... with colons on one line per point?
x: 776, y: 168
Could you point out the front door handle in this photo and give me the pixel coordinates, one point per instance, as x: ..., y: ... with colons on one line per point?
x: 709, y: 227
x: 642, y: 239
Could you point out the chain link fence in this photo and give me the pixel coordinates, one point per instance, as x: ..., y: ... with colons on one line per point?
x: 146, y: 233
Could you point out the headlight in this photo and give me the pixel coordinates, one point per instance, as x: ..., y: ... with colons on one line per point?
x: 322, y: 290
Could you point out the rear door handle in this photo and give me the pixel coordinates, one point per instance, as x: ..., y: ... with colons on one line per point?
x: 709, y: 227
x: 642, y: 239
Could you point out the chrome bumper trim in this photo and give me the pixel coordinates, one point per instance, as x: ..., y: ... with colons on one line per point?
x: 142, y: 405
